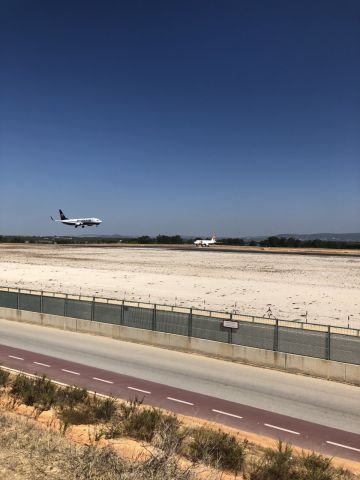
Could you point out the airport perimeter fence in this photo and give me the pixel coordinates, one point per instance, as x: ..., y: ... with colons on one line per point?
x: 320, y: 341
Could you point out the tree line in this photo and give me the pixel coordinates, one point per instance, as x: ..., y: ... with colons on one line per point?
x: 272, y: 241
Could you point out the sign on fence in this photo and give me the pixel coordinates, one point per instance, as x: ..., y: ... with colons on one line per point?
x: 230, y: 324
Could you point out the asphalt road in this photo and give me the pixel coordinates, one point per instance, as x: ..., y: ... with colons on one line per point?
x: 309, y: 412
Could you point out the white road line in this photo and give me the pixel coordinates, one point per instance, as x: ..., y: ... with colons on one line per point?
x: 283, y: 429
x: 180, y: 401
x: 139, y: 390
x: 226, y: 413
x: 42, y: 364
x: 102, y: 380
x: 343, y: 446
x: 70, y: 371
x: 16, y: 358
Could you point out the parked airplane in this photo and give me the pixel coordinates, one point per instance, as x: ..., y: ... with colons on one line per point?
x: 77, y: 222
x: 205, y: 243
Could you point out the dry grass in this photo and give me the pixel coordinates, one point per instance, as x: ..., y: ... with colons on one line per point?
x: 27, y: 452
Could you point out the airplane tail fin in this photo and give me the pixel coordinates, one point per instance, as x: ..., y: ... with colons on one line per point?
x: 62, y: 216
x: 213, y: 237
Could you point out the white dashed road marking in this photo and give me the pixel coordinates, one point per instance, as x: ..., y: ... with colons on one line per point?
x: 16, y: 358
x: 180, y: 401
x: 102, y: 380
x: 343, y: 446
x: 70, y: 371
x: 280, y: 428
x: 139, y: 390
x: 226, y: 413
x: 42, y: 364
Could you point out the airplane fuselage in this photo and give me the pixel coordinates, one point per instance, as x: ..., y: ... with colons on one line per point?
x: 205, y: 243
x: 77, y: 222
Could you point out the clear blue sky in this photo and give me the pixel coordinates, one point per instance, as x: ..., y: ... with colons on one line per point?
x: 191, y: 116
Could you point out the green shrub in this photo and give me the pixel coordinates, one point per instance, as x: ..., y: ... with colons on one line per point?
x: 281, y: 464
x: 70, y: 396
x: 169, y: 434
x: 142, y: 424
x: 73, y: 415
x: 316, y: 467
x: 275, y: 464
x: 216, y: 448
x: 105, y: 409
x: 38, y: 392
x: 91, y: 409
x: 4, y: 376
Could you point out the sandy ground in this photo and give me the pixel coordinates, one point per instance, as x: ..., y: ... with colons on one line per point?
x: 326, y: 287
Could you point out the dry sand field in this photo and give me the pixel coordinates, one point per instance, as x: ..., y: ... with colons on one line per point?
x: 326, y: 287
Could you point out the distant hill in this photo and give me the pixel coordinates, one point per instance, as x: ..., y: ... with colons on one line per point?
x: 333, y: 237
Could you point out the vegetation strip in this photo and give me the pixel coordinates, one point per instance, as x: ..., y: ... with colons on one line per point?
x: 165, y: 433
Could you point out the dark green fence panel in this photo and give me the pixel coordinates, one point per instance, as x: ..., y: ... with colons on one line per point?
x: 255, y: 335
x: 337, y: 347
x: 8, y: 299
x: 107, y: 313
x: 303, y: 342
x: 345, y: 348
x: 78, y: 309
x: 30, y: 302
x: 209, y: 328
x: 172, y: 322
x: 54, y: 305
x: 138, y: 317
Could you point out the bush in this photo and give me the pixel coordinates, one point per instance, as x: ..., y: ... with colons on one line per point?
x: 91, y: 410
x: 276, y: 464
x: 142, y: 424
x: 217, y: 449
x: 104, y: 410
x: 281, y: 464
x: 316, y: 467
x: 168, y: 435
x: 70, y: 396
x: 4, y: 376
x: 39, y: 392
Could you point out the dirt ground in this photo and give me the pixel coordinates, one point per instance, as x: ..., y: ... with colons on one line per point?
x: 320, y: 289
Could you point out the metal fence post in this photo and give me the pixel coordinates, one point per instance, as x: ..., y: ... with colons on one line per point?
x: 41, y: 302
x: 93, y: 309
x: 122, y: 313
x: 230, y: 331
x: 328, y: 342
x: 18, y: 299
x: 276, y: 336
x: 190, y: 321
x: 66, y: 305
x: 153, y: 326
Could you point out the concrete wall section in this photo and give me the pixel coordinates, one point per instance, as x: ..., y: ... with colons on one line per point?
x: 317, y: 367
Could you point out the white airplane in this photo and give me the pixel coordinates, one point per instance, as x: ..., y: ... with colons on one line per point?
x: 205, y: 243
x: 77, y: 222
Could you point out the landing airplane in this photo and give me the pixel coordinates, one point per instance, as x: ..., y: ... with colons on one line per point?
x: 205, y: 243
x: 77, y: 222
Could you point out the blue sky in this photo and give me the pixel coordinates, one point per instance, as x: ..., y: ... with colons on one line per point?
x: 191, y: 117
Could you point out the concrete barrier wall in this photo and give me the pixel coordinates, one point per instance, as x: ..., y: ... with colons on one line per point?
x: 317, y: 367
